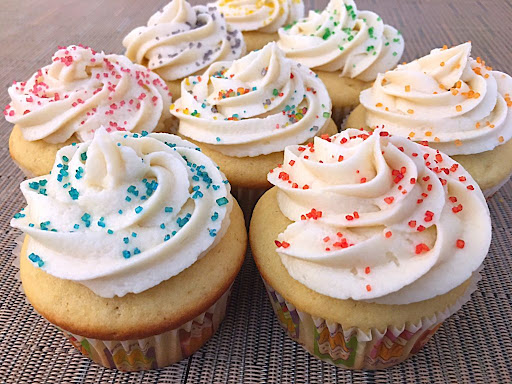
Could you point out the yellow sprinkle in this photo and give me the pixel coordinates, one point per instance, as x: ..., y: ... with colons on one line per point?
x: 458, y: 108
x: 171, y: 106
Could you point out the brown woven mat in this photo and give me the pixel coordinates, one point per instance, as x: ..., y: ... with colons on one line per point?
x: 473, y: 346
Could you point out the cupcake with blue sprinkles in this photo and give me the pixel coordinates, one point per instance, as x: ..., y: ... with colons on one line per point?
x: 132, y: 243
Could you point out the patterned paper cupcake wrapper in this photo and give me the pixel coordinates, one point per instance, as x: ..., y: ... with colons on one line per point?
x: 156, y: 351
x: 151, y: 352
x: 353, y: 348
x: 247, y: 199
x: 340, y: 115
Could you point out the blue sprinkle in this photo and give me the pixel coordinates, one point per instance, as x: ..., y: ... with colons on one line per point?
x: 128, y: 198
x: 34, y: 185
x: 215, y: 216
x: 167, y: 237
x: 222, y: 201
x: 31, y: 225
x: 110, y: 232
x: 65, y: 159
x: 120, y: 211
x: 76, y: 226
x: 213, y: 232
x: 173, y: 233
x: 43, y: 182
x: 218, y: 139
x: 83, y: 156
x: 19, y: 215
x: 126, y: 240
x: 144, y: 133
x: 215, y: 187
x: 138, y: 209
x: 168, y: 209
x: 134, y: 234
x: 73, y: 193
x: 136, y: 251
x: 162, y: 226
x: 126, y: 254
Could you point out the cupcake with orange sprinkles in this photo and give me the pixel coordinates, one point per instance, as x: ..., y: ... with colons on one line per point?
x: 80, y: 91
x: 259, y: 20
x: 451, y: 101
x: 181, y: 40
x: 367, y: 243
x: 244, y: 113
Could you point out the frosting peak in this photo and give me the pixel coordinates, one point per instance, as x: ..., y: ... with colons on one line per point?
x: 455, y: 103
x: 379, y: 218
x: 181, y: 40
x: 255, y: 105
x: 124, y: 212
x: 341, y: 38
x: 261, y: 15
x: 82, y: 90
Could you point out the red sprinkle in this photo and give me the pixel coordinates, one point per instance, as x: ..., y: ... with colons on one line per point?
x: 460, y: 243
x: 367, y: 270
x: 389, y: 199
x: 422, y: 247
x: 388, y: 234
x: 368, y: 287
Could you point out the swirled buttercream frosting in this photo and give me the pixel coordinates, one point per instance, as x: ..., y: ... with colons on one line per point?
x: 455, y: 103
x: 82, y: 90
x: 253, y: 106
x: 379, y: 218
x: 342, y: 38
x: 124, y: 212
x: 181, y: 40
x: 261, y: 15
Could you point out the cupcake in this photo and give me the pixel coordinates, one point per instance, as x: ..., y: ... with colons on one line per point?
x: 452, y: 102
x: 132, y: 244
x: 367, y: 243
x: 244, y: 113
x: 80, y: 90
x: 347, y: 48
x: 182, y: 40
x: 259, y: 20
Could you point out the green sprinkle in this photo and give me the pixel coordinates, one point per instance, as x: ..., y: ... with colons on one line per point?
x: 275, y: 92
x: 327, y: 34
x: 326, y: 115
x: 394, y: 53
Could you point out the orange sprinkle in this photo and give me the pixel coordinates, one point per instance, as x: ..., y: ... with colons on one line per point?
x: 445, y: 47
x: 428, y: 133
x: 410, y: 111
x: 491, y: 126
x: 477, y: 125
x: 387, y: 109
x: 458, y: 143
x: 455, y: 92
x: 477, y: 95
x: 378, y: 105
x: 407, y: 88
x: 458, y: 108
x: 442, y: 64
x: 458, y: 84
x: 412, y: 134
x: 501, y: 139
x: 441, y: 86
x: 486, y: 76
x: 437, y: 139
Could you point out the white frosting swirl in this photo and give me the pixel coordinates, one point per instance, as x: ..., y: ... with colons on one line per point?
x: 82, y: 90
x: 123, y: 213
x: 181, y: 40
x: 253, y: 106
x: 379, y: 218
x: 341, y: 38
x: 455, y: 103
x: 261, y: 15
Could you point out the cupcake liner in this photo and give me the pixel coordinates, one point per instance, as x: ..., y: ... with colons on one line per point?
x: 340, y: 115
x: 153, y: 352
x: 354, y: 348
x: 247, y: 199
x: 156, y: 351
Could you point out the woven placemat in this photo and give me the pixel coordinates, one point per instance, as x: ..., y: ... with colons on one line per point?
x: 473, y: 346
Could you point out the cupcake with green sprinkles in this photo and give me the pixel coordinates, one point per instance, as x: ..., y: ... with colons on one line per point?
x: 244, y: 113
x: 346, y: 47
x: 132, y: 243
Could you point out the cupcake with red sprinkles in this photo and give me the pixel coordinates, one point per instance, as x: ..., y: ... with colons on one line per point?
x: 244, y: 113
x: 132, y: 244
x: 81, y: 90
x: 451, y: 101
x: 367, y: 243
x: 181, y: 40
